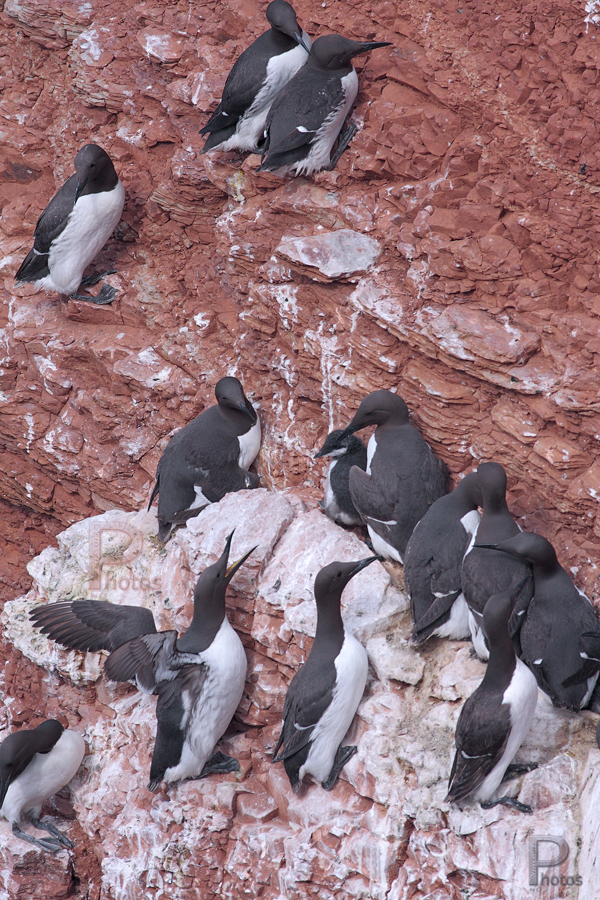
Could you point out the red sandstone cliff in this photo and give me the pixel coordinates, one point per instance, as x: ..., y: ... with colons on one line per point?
x: 476, y: 172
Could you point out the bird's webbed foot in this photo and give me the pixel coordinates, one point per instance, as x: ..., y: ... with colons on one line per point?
x: 341, y: 758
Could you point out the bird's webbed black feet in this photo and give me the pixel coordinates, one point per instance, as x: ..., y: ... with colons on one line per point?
x: 219, y: 764
x: 51, y: 828
x: 48, y: 844
x: 341, y: 758
x: 91, y: 280
x: 103, y: 298
x: 343, y: 141
x: 507, y: 801
x: 518, y: 769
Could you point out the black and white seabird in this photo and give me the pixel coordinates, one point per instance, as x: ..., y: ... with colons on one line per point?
x: 307, y: 115
x: 487, y: 572
x: 198, y: 678
x: 256, y: 78
x: 496, y: 717
x: 34, y: 765
x: 554, y: 622
x: 324, y: 694
x: 347, y: 452
x: 433, y: 563
x: 403, y: 477
x: 74, y: 227
x: 208, y: 458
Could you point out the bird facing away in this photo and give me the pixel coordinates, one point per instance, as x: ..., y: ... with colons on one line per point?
x: 257, y: 76
x: 34, y: 765
x: 198, y: 678
x: 496, y: 717
x: 487, y: 572
x: 74, y: 227
x: 324, y: 694
x: 553, y: 625
x: 307, y: 115
x: 433, y: 563
x: 347, y: 452
x: 403, y: 477
x: 208, y: 458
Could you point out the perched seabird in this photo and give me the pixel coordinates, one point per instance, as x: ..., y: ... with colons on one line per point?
x: 256, y: 78
x: 487, y: 572
x: 34, y: 765
x: 433, y: 563
x: 496, y: 717
x: 74, y: 227
x: 403, y: 477
x: 198, y: 678
x: 307, y: 115
x: 324, y: 694
x: 554, y: 623
x: 347, y: 452
x: 208, y: 458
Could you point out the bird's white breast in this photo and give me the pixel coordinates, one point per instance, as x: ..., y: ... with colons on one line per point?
x: 470, y: 522
x: 371, y: 448
x: 91, y: 222
x: 249, y: 445
x: 351, y: 667
x: 46, y: 774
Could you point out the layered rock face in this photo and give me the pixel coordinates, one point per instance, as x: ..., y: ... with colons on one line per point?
x: 451, y: 256
x: 384, y: 831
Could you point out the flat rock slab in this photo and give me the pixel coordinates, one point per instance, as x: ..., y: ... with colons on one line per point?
x: 336, y: 254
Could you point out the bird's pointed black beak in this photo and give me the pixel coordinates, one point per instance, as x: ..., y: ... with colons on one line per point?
x: 246, y: 408
x: 350, y: 429
x: 371, y: 45
x: 79, y: 188
x: 236, y: 565
x: 320, y: 453
x: 486, y: 546
x: 363, y: 563
x: 299, y: 37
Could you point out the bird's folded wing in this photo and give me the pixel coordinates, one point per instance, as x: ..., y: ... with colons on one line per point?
x: 92, y: 624
x: 369, y: 499
x: 189, y: 678
x: 54, y: 218
x: 302, y: 713
x: 300, y: 110
x: 229, y: 477
x: 438, y: 608
x: 481, y: 736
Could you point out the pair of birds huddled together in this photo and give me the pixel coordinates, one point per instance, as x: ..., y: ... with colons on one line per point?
x: 282, y: 93
x: 288, y: 98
